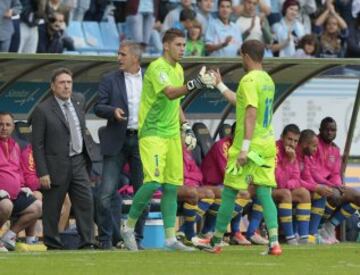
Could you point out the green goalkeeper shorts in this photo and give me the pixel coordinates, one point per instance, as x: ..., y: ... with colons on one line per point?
x: 162, y: 159
x: 250, y: 172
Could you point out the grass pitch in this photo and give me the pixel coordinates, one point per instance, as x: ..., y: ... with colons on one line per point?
x: 335, y: 259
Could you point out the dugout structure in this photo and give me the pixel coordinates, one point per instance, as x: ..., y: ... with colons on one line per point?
x: 24, y: 82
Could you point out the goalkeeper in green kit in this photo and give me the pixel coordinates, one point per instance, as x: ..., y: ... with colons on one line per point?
x: 159, y: 136
x: 251, y: 158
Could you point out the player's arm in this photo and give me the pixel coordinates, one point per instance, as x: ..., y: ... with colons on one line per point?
x: 224, y: 90
x: 202, y: 80
x: 249, y: 126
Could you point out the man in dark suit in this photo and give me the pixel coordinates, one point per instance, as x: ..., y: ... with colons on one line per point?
x: 61, y: 151
x: 118, y: 102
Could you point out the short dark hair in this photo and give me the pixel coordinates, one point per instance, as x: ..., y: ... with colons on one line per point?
x: 309, y: 39
x: 306, y: 135
x: 5, y: 113
x: 187, y: 14
x: 293, y: 128
x: 220, y: 1
x: 287, y: 4
x: 60, y: 71
x: 171, y: 34
x: 326, y: 121
x: 253, y: 48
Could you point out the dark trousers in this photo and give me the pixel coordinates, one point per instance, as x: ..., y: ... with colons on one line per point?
x: 111, y: 177
x: 15, y: 38
x: 78, y: 188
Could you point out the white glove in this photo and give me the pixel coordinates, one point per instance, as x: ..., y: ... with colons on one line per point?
x: 208, y: 79
x: 27, y: 191
x: 202, y: 80
x: 190, y: 139
x: 4, y: 194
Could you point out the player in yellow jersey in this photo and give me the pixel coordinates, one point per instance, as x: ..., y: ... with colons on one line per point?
x: 251, y: 158
x: 159, y: 136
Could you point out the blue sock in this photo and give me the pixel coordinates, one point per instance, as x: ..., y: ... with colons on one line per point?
x: 346, y: 211
x: 235, y: 222
x: 317, y: 211
x: 329, y: 211
x: 210, y: 219
x: 189, y: 212
x: 303, y: 211
x: 255, y: 219
x: 285, y: 217
x: 203, y: 206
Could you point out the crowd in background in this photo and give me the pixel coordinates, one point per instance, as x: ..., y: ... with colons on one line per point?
x: 291, y: 28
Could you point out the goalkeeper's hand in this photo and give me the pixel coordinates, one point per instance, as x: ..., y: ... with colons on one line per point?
x: 189, y: 136
x: 4, y: 194
x: 203, y: 80
x: 27, y: 191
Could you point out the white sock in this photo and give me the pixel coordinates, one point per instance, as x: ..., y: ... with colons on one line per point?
x: 126, y: 228
x: 170, y: 241
x: 9, y: 235
x: 30, y: 239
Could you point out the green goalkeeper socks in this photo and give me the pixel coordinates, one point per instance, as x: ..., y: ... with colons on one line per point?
x: 168, y: 208
x: 140, y: 201
x: 225, y: 212
x: 263, y: 193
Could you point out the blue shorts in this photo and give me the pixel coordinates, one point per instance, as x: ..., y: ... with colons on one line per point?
x: 21, y: 203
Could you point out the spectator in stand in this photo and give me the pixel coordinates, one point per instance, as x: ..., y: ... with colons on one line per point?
x: 307, y: 9
x: 31, y: 17
x: 264, y: 8
x: 223, y: 37
x: 8, y: 9
x: 288, y: 31
x: 96, y: 10
x: 307, y: 46
x: 15, y: 38
x: 16, y: 200
x: 56, y: 39
x: 203, y: 13
x: 353, y: 42
x: 187, y: 16
x: 333, y: 32
x: 174, y: 15
x: 195, y: 46
x: 252, y: 25
x: 80, y: 9
x: 51, y: 7
x: 141, y: 19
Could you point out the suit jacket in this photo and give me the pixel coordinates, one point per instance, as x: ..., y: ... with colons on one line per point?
x: 51, y: 138
x: 112, y: 94
x: 6, y: 24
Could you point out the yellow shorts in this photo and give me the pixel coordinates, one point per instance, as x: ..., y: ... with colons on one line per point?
x: 162, y: 159
x: 251, y: 173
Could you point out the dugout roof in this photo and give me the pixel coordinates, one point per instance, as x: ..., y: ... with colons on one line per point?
x: 24, y: 80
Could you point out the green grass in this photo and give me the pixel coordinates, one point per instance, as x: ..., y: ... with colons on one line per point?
x: 336, y: 259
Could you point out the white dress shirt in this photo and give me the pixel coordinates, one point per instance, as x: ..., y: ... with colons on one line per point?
x: 133, y: 83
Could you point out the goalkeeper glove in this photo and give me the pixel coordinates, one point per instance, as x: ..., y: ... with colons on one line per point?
x: 4, y: 194
x: 202, y: 80
x: 190, y: 139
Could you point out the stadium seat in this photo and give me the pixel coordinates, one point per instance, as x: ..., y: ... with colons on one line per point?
x: 110, y: 36
x: 75, y: 31
x: 203, y: 137
x: 225, y: 130
x: 22, y: 133
x: 92, y: 35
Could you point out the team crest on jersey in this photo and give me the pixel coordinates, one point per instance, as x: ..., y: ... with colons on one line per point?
x: 249, y: 179
x: 163, y: 78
